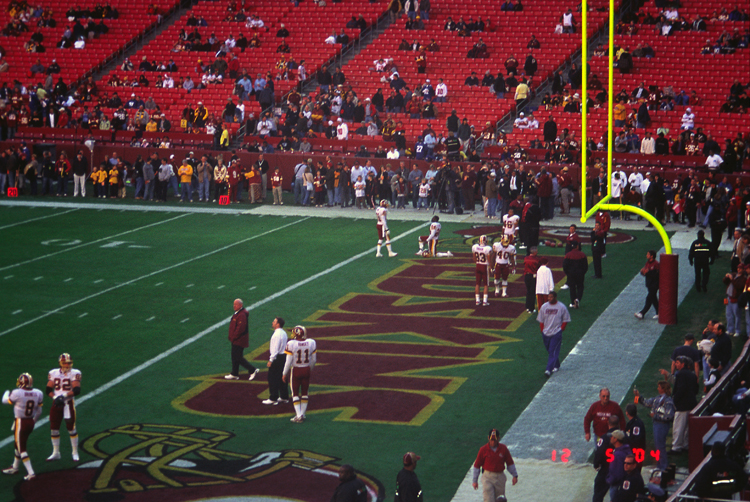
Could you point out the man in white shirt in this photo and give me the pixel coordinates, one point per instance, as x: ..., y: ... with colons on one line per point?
x: 688, y: 119
x: 278, y: 391
x: 648, y: 144
x: 634, y: 180
x: 714, y: 161
x: 521, y: 122
x: 392, y: 153
x: 553, y: 317
x: 532, y: 123
x: 441, y: 91
x: 342, y: 130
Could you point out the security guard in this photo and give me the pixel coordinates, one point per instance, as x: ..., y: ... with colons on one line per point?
x: 701, y: 257
x: 601, y: 463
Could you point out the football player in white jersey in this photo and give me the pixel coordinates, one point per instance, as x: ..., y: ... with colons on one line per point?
x: 27, y: 408
x: 505, y: 263
x: 301, y: 355
x: 482, y: 253
x: 510, y: 224
x: 432, y: 241
x: 383, y: 234
x: 64, y: 383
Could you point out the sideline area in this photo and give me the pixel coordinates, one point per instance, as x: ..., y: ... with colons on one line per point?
x: 554, y: 418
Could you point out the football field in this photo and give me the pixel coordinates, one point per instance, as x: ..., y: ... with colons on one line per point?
x: 142, y: 300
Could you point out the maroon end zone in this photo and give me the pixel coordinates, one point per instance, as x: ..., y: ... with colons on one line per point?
x: 428, y: 308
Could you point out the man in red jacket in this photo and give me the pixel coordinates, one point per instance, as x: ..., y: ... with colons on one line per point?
x: 238, y: 335
x: 599, y: 414
x: 494, y: 459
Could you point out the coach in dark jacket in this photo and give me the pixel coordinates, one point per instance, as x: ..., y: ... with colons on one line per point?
x: 351, y: 489
x: 685, y: 389
x: 700, y: 256
x: 238, y: 335
x: 575, y: 266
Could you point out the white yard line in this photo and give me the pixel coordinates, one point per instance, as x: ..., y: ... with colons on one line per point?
x: 126, y: 283
x: 66, y: 250
x: 37, y: 219
x: 196, y: 337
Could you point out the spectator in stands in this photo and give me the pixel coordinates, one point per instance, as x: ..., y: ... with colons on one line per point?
x: 472, y: 80
x: 568, y: 22
x: 478, y: 51
x: 282, y: 32
x: 688, y: 119
x: 522, y: 92
x: 511, y: 65
x: 37, y: 68
x: 533, y: 43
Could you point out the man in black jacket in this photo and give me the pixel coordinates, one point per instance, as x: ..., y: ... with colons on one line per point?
x: 408, y: 488
x: 351, y: 488
x: 575, y: 266
x: 80, y: 168
x: 700, y: 256
x: 684, y: 397
x: 601, y: 464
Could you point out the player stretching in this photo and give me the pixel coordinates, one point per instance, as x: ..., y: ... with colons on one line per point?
x: 483, y: 258
x: 64, y: 383
x: 301, y: 354
x: 505, y: 254
x: 383, y: 233
x: 432, y: 241
x: 27, y: 408
x: 510, y: 225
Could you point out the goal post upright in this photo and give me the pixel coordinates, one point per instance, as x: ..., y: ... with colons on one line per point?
x: 668, y: 277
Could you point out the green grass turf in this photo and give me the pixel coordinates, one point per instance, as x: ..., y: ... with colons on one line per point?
x: 152, y: 309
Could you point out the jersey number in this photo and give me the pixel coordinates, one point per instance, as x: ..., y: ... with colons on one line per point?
x: 65, y: 384
x: 29, y: 410
x: 480, y: 258
x: 299, y: 356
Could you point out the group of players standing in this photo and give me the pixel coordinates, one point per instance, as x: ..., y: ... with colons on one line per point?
x: 63, y: 384
x: 498, y: 260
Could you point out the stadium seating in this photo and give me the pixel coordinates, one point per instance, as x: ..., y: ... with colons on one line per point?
x: 134, y: 19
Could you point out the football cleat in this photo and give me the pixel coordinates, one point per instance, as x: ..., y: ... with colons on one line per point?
x: 478, y: 303
x: 254, y: 374
x: 66, y: 362
x: 392, y: 254
x: 25, y: 381
x: 29, y: 477
x: 296, y: 419
x: 54, y: 456
x: 378, y: 255
x: 76, y: 458
x: 299, y: 333
x: 10, y: 470
x: 482, y: 240
x: 231, y: 377
x: 486, y: 304
x: 282, y: 401
x: 269, y: 401
x: 505, y: 295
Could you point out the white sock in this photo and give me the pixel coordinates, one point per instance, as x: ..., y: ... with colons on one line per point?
x: 485, y: 299
x: 27, y: 463
x: 74, y: 443
x: 16, y: 460
x: 477, y: 297
x: 303, y: 405
x: 297, y: 406
x: 55, y: 444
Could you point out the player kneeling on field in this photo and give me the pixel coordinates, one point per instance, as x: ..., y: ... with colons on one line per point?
x: 432, y: 241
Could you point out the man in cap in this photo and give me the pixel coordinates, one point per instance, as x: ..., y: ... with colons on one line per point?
x: 493, y: 458
x: 408, y: 488
x: 617, y: 466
